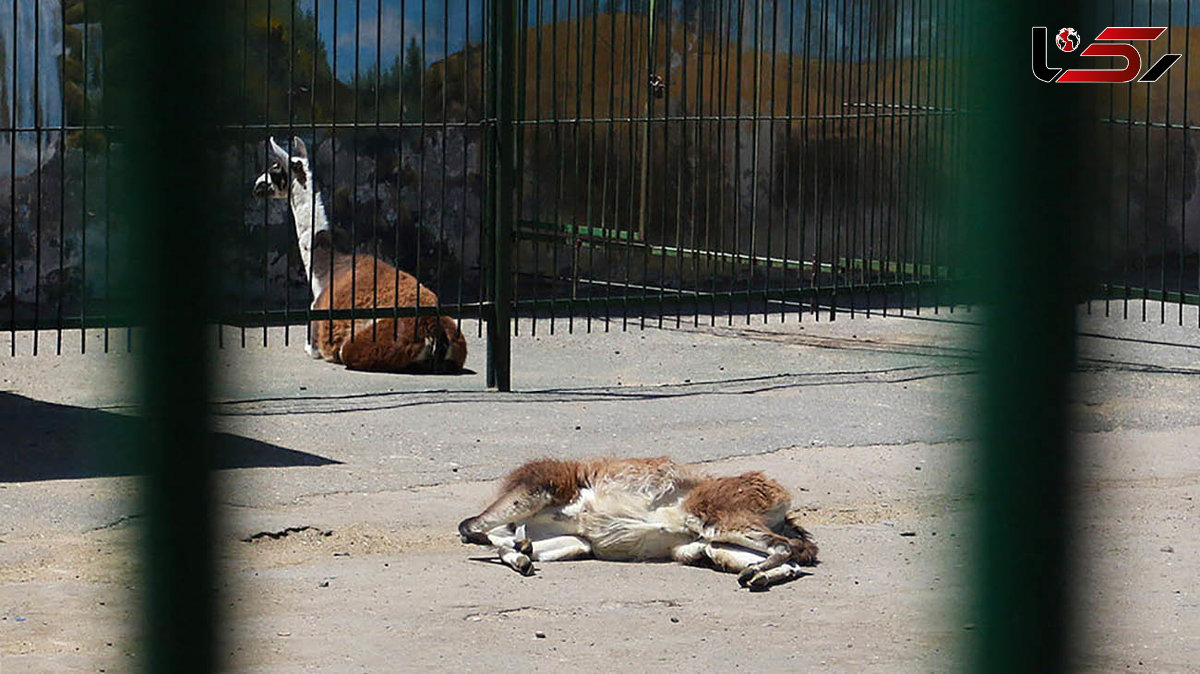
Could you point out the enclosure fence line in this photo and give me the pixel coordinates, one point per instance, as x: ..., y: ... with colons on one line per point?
x: 575, y: 164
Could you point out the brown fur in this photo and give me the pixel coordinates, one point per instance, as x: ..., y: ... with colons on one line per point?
x: 424, y: 343
x: 560, y: 480
x: 729, y: 501
x: 681, y: 507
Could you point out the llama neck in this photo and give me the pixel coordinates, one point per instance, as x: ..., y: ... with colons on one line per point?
x: 308, y: 210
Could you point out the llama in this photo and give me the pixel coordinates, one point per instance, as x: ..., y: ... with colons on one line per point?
x: 340, y: 281
x: 644, y: 510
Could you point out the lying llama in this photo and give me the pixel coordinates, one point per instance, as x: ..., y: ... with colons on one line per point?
x: 644, y: 510
x: 406, y: 344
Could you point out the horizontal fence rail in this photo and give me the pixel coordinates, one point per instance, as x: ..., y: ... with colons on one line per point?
x: 632, y: 163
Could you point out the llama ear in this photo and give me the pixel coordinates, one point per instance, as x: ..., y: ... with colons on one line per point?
x: 299, y: 173
x: 274, y: 149
x: 298, y: 149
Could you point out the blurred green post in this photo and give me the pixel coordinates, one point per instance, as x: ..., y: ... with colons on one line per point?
x: 162, y: 84
x: 1024, y: 187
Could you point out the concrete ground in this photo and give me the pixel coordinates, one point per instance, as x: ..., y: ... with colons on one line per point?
x: 340, y: 492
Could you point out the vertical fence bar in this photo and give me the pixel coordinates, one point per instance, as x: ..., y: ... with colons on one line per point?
x: 62, y: 190
x: 1143, y: 277
x: 38, y: 121
x: 14, y: 122
x: 1183, y: 199
x: 244, y: 233
x: 1026, y: 212
x: 164, y: 93
x: 503, y: 33
x: 649, y: 110
x: 422, y: 146
x: 109, y: 302
x: 787, y: 182
x: 85, y: 145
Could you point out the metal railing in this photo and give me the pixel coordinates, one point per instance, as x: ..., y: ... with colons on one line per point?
x: 666, y: 159
x: 669, y: 161
x: 732, y: 158
x: 1147, y: 243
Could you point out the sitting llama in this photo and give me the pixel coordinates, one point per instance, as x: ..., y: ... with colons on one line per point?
x: 645, y: 510
x: 341, y: 281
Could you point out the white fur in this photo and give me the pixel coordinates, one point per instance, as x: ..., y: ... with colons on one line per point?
x: 308, y: 212
x: 620, y: 524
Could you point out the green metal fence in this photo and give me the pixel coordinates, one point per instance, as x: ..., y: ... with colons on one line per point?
x: 733, y: 159
x: 575, y: 162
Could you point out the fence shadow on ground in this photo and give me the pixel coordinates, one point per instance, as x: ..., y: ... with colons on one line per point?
x: 47, y: 441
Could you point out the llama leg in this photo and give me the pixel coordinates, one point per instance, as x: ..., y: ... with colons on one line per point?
x: 385, y: 345
x: 365, y: 354
x: 759, y: 575
x: 445, y: 349
x: 323, y: 340
x: 690, y: 553
x: 732, y: 558
x: 504, y: 536
x: 804, y: 550
x: 518, y: 556
x: 774, y: 550
x: 780, y: 574
x: 559, y: 548
x: 456, y: 346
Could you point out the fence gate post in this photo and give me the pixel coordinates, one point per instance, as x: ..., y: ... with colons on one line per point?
x: 1027, y: 215
x: 502, y: 183
x: 164, y: 83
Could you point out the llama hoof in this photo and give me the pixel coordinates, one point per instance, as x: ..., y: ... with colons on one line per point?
x: 517, y: 561
x: 312, y: 351
x: 756, y: 581
x: 521, y: 563
x: 426, y: 351
x: 525, y: 547
x: 526, y: 566
x: 746, y: 574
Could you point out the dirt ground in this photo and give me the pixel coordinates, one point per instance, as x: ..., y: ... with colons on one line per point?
x: 339, y: 548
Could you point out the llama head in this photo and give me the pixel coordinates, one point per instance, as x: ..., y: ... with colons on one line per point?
x: 284, y: 170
